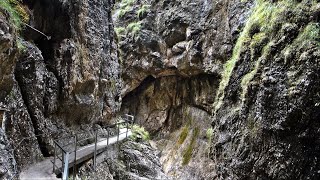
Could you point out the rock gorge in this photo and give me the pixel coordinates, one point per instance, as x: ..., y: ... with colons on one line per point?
x: 228, y: 89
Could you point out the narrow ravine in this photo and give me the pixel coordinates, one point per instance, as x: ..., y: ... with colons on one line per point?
x: 223, y: 89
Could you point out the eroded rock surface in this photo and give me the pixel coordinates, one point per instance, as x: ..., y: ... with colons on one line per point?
x: 59, y: 84
x: 131, y: 160
x: 267, y: 104
x: 264, y: 56
x: 8, y: 52
x: 184, y: 38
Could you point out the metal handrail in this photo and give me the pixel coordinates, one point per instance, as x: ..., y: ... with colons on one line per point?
x: 128, y: 119
x: 67, y: 144
x: 84, y: 139
x: 70, y: 136
x: 60, y: 146
x: 60, y: 158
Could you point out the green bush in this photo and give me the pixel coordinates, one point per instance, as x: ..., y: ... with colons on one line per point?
x: 127, y: 2
x: 20, y: 46
x: 123, y: 11
x: 209, y: 134
x: 139, y: 132
x: 143, y: 10
x: 134, y: 27
x: 120, y: 31
x: 311, y: 33
x: 125, y: 6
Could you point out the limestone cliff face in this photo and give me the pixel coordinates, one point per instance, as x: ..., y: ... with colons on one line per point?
x: 179, y: 49
x: 8, y: 51
x: 267, y: 108
x: 172, y: 53
x: 251, y: 67
x: 57, y: 84
x: 229, y: 89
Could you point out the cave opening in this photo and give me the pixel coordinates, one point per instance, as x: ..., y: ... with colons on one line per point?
x: 169, y: 99
x: 51, y: 18
x: 133, y: 95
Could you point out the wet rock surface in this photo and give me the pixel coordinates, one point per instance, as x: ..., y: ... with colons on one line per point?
x: 8, y: 52
x: 131, y: 160
x: 161, y: 105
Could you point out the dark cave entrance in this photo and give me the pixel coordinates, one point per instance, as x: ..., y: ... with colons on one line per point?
x: 50, y: 17
x: 171, y: 95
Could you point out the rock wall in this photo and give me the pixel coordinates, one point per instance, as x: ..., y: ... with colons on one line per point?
x: 264, y: 56
x: 182, y: 46
x: 60, y: 83
x: 172, y: 53
x: 129, y: 160
x: 267, y: 106
x: 182, y: 38
x: 8, y: 51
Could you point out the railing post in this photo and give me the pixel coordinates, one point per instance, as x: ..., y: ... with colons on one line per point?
x: 95, y: 151
x: 127, y: 129
x: 66, y: 164
x: 54, y: 157
x: 118, y: 133
x: 107, y: 136
x: 75, y: 157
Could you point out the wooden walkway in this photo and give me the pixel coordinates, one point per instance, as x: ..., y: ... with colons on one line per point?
x: 43, y: 170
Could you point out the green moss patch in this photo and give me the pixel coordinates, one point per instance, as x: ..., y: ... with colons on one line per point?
x: 18, y: 13
x: 310, y: 34
x: 183, y: 135
x: 261, y: 28
x: 188, y: 152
